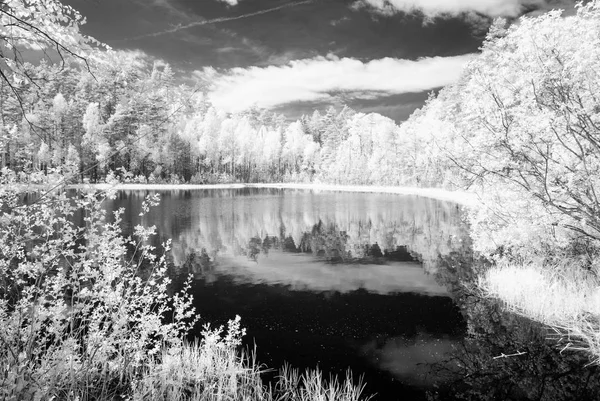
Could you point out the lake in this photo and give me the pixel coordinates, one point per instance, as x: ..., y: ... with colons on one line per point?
x: 381, y: 284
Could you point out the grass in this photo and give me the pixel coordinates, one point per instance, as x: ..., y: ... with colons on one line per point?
x: 310, y: 386
x: 201, y: 371
x: 562, y: 296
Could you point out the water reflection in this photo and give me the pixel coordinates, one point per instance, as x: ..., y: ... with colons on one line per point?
x: 505, y: 356
x: 223, y: 232
x: 383, y: 284
x: 328, y: 279
x: 412, y: 359
x: 302, y: 272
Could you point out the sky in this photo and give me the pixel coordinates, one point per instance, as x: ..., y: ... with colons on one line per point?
x: 293, y: 57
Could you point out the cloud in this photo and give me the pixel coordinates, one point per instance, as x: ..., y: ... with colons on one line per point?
x: 435, y: 8
x: 569, y: 7
x: 166, y: 5
x: 325, y: 79
x: 230, y: 2
x: 336, y: 22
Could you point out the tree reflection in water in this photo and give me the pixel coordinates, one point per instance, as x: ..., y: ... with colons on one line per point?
x: 505, y: 356
x: 332, y: 243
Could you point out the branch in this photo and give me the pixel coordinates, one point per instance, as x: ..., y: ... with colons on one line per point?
x: 59, y: 46
x: 518, y: 353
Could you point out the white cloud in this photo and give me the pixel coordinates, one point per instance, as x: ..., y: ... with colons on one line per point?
x: 321, y: 78
x: 230, y: 2
x: 166, y: 5
x: 336, y: 22
x: 433, y: 8
x: 569, y: 7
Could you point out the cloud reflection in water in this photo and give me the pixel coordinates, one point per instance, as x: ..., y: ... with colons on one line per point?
x: 302, y: 272
x: 410, y: 360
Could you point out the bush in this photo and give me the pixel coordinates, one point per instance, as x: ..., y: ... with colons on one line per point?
x: 212, y: 369
x: 82, y: 309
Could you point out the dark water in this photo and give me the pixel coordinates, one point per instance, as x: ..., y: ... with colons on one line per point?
x: 381, y: 284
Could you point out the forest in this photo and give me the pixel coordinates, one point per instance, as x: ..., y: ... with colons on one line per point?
x: 125, y: 114
x: 520, y: 129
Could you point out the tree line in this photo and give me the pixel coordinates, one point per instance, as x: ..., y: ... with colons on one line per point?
x: 127, y: 115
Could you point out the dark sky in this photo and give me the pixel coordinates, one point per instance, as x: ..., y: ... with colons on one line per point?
x: 374, y: 55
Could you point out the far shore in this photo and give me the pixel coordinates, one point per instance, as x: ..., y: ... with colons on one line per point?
x: 460, y: 197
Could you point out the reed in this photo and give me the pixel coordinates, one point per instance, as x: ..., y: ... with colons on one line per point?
x: 560, y: 295
x: 205, y: 371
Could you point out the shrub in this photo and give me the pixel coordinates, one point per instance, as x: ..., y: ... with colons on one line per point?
x: 82, y: 309
x: 213, y: 369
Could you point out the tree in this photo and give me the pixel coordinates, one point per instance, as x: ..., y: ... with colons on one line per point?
x: 295, y: 141
x: 520, y: 128
x: 46, y: 26
x: 529, y: 115
x: 385, y: 158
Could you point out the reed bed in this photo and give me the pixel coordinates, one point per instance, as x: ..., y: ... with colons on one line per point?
x: 560, y: 295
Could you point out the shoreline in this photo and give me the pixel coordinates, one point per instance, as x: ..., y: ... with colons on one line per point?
x: 460, y: 197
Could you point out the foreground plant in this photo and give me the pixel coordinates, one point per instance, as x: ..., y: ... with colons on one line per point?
x: 310, y: 386
x: 208, y: 369
x: 85, y: 313
x: 564, y: 297
x: 213, y: 369
x: 82, y: 309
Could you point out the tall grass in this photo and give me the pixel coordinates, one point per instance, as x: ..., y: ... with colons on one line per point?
x: 201, y: 371
x: 310, y: 386
x: 210, y: 369
x: 207, y: 372
x: 560, y: 295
